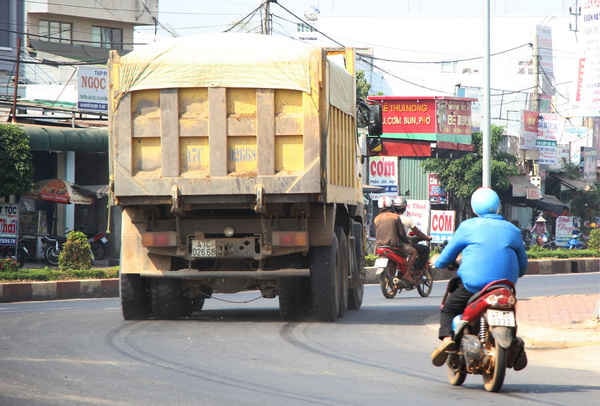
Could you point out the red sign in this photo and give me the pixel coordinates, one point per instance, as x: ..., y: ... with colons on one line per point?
x: 408, y: 116
x: 530, y: 121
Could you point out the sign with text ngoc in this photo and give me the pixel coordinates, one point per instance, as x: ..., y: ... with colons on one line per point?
x: 92, y: 89
x: 9, y: 224
x: 442, y: 225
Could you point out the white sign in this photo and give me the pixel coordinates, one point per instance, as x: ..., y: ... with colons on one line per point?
x: 442, y: 225
x: 9, y: 224
x: 418, y: 211
x: 564, y: 229
x: 92, y: 89
x: 587, y: 92
x: 383, y: 171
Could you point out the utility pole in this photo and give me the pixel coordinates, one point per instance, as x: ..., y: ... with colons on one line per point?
x: 16, y: 84
x: 267, y: 27
x: 575, y: 14
x: 485, y: 125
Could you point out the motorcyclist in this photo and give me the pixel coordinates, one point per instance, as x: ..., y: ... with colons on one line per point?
x: 390, y: 232
x: 539, y: 231
x: 491, y: 248
x: 413, y: 233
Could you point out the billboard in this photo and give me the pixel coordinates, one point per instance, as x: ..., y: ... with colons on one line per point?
x: 92, y: 89
x: 442, y: 225
x: 383, y: 171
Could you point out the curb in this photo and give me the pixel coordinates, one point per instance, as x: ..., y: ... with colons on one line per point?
x: 71, y: 289
x: 94, y: 288
x: 535, y: 267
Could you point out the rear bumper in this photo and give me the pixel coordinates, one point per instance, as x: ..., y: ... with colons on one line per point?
x: 190, y: 273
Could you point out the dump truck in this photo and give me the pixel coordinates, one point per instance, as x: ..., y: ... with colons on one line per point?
x: 234, y: 160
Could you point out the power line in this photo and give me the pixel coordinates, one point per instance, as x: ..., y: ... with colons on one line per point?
x: 58, y: 38
x: 450, y: 60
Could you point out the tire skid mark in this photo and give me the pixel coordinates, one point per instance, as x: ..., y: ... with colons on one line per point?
x: 287, y: 332
x: 121, y: 339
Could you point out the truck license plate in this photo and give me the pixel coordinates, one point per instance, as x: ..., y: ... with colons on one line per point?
x: 501, y: 318
x: 204, y: 248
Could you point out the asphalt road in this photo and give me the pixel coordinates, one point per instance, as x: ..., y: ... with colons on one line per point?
x: 81, y: 352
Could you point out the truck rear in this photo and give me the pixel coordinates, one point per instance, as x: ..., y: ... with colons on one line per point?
x: 234, y: 159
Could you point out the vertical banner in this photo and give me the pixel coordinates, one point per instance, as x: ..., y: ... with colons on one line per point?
x: 442, y: 225
x: 9, y: 224
x: 418, y: 211
x: 437, y: 194
x: 564, y: 229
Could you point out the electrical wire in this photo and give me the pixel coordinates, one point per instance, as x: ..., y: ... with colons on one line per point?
x: 447, y: 61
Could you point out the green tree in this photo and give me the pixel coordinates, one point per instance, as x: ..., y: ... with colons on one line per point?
x: 462, y: 176
x: 16, y: 171
x: 362, y: 86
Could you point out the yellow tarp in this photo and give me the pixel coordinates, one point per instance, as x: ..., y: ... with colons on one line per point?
x: 220, y: 60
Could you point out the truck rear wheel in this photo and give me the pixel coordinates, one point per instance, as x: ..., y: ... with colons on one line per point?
x: 135, y: 302
x: 168, y: 301
x: 293, y: 298
x: 342, y: 269
x: 324, y: 281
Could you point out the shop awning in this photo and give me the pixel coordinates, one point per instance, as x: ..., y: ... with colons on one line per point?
x: 549, y: 203
x: 572, y: 183
x: 44, y: 138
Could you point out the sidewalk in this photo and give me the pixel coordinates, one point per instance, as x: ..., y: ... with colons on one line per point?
x: 559, y: 321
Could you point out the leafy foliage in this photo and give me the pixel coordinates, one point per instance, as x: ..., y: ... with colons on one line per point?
x: 537, y: 252
x: 8, y: 265
x: 16, y: 170
x: 76, y: 252
x: 594, y: 241
x: 462, y: 176
x: 51, y: 274
x: 362, y: 86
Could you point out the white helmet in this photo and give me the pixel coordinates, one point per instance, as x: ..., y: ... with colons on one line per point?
x: 399, y: 202
x: 384, y: 202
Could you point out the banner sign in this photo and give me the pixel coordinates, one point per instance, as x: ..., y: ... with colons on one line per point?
x: 442, y: 225
x: 564, y: 229
x: 92, y: 89
x: 437, y: 194
x: 418, y: 211
x: 410, y: 116
x: 383, y: 171
x: 9, y: 224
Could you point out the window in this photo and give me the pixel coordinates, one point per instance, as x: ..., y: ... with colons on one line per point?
x: 55, y: 31
x: 106, y: 37
x: 301, y: 27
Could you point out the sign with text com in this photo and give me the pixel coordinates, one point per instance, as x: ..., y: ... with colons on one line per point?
x: 92, y: 89
x: 442, y: 225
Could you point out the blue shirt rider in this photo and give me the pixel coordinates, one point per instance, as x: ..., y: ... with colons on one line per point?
x: 491, y: 248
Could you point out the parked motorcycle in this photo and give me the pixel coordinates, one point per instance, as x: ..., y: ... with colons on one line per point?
x: 486, y: 336
x: 52, y: 247
x: 392, y: 269
x: 99, y: 245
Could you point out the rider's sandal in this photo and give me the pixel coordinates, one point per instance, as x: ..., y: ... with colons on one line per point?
x: 439, y: 355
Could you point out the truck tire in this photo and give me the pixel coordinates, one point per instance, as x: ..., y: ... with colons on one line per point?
x: 135, y: 303
x: 168, y: 301
x: 293, y: 298
x: 356, y: 258
x: 324, y: 281
x: 343, y: 264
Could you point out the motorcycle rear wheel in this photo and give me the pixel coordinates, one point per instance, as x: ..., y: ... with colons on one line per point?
x: 388, y: 289
x: 456, y: 377
x: 51, y: 256
x: 493, y: 382
x: 425, y: 283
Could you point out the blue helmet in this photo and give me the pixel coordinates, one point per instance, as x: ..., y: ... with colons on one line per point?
x: 485, y: 201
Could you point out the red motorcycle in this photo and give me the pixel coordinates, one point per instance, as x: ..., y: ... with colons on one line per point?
x: 486, y: 336
x: 392, y: 270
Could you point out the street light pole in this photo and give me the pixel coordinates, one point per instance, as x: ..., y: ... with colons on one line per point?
x: 486, y: 127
